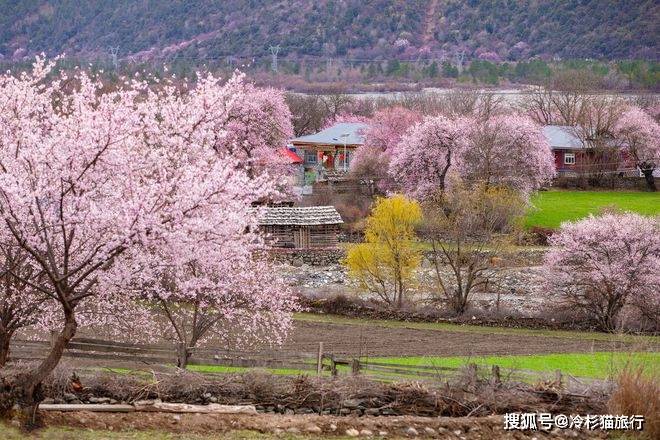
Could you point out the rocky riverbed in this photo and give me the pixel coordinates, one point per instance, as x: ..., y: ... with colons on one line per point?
x: 519, y: 289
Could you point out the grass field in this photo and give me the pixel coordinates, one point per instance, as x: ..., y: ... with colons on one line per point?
x: 551, y: 208
x: 600, y: 365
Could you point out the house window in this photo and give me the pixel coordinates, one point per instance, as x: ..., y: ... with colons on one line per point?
x: 310, y: 157
x: 569, y: 158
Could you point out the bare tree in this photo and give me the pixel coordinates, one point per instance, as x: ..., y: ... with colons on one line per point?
x: 462, y: 226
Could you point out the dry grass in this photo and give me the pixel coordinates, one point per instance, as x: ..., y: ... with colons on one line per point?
x: 638, y: 392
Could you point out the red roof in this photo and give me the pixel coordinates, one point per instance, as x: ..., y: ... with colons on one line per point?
x: 290, y: 156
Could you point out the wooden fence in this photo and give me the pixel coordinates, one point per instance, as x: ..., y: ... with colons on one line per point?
x: 95, y: 353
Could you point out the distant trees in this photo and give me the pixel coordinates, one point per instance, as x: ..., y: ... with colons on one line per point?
x: 602, y: 264
x: 383, y: 265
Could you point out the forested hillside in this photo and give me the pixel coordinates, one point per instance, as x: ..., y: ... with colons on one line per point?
x: 497, y: 30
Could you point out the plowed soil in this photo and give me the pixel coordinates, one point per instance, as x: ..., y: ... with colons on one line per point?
x: 373, y: 340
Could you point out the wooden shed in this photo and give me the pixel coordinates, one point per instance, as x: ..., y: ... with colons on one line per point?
x: 313, y: 227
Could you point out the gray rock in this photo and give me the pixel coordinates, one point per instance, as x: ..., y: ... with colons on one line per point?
x: 366, y: 433
x: 352, y: 432
x: 411, y: 432
x: 372, y: 411
x: 48, y: 401
x: 70, y: 397
x: 351, y: 403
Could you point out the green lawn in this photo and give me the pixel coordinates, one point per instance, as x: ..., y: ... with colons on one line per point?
x: 600, y: 365
x: 551, y: 208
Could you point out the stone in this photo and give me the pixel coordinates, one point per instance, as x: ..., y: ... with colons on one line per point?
x: 351, y: 432
x: 333, y: 427
x: 303, y: 411
x: 213, y: 399
x: 48, y: 401
x: 351, y: 403
x: 101, y: 400
x: 429, y: 431
x: 458, y: 432
x: 69, y: 397
x: 382, y: 433
x: 313, y: 429
x: 176, y: 417
x: 298, y: 262
x: 344, y: 412
x: 366, y: 433
x: 387, y: 412
x: 372, y: 411
x: 411, y: 432
x: 293, y: 430
x: 288, y: 411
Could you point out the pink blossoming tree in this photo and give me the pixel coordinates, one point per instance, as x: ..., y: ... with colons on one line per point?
x: 421, y: 161
x: 507, y: 150
x: 602, y: 264
x: 95, y: 185
x: 639, y: 135
x: 386, y: 128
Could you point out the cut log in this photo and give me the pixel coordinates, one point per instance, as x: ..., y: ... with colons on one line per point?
x: 213, y: 408
x: 94, y: 407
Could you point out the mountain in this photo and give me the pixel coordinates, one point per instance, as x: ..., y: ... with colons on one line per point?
x: 357, y: 29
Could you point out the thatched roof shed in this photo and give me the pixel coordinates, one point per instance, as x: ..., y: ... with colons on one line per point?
x: 310, y: 227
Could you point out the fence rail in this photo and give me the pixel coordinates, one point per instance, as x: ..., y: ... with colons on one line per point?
x: 100, y: 353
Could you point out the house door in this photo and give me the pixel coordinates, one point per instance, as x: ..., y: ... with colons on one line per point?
x: 301, y: 238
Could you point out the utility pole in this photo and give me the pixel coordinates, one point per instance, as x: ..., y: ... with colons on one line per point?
x: 459, y: 61
x: 113, y: 53
x: 274, y: 50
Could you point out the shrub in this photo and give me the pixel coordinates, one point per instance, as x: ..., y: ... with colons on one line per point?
x: 638, y: 392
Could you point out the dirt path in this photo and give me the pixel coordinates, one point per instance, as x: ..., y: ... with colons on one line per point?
x: 429, y: 22
x: 347, y: 339
x: 306, y: 426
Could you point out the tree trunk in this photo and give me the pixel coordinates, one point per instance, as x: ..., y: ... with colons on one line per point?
x: 183, y: 356
x: 5, y: 338
x: 28, y: 385
x: 650, y: 179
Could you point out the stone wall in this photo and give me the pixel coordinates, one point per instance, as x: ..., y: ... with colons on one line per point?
x: 310, y: 257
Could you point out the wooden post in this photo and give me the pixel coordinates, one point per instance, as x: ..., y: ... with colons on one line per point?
x: 496, y: 375
x: 558, y: 378
x: 355, y: 367
x: 472, y: 376
x: 319, y: 360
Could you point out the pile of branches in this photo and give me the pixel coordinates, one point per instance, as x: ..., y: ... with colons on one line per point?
x: 467, y: 395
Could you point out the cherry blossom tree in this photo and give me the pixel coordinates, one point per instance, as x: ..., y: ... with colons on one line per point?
x: 507, y: 150
x: 258, y: 124
x: 421, y: 161
x: 639, y: 135
x: 93, y: 185
x: 386, y: 128
x: 602, y: 264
